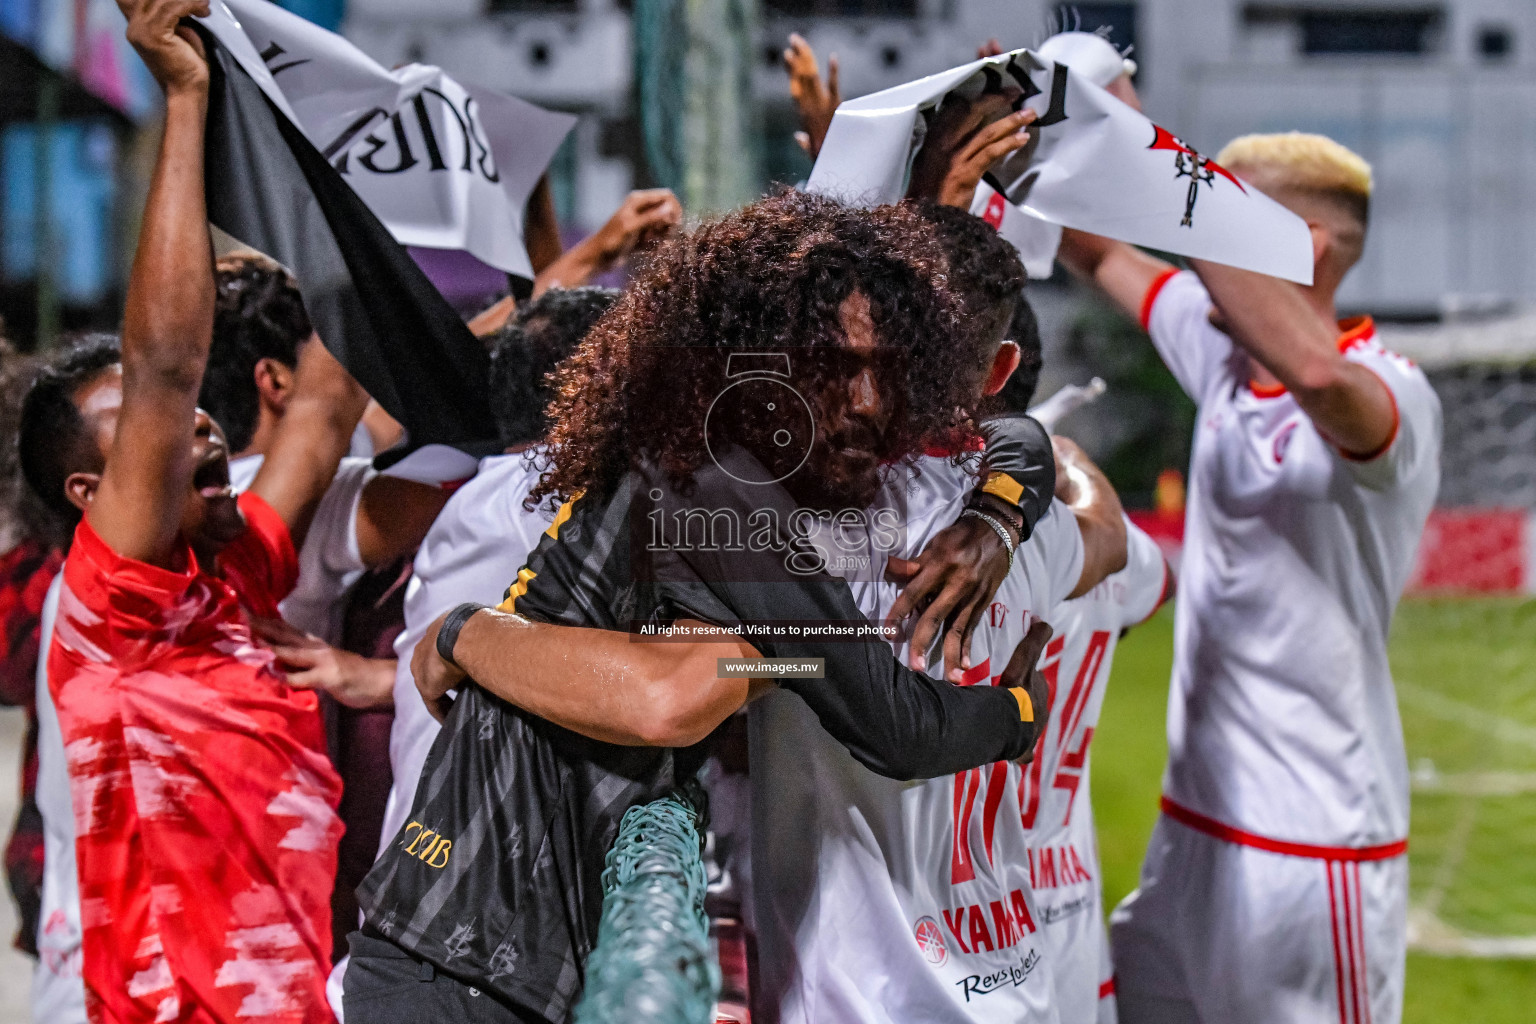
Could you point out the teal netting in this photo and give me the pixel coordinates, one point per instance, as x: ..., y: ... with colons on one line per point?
x: 661, y: 85
x: 653, y: 963
x: 698, y: 116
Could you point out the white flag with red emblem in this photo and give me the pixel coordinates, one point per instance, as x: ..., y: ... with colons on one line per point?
x: 444, y: 164
x: 1093, y: 164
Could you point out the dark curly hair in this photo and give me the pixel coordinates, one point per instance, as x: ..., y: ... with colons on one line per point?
x: 983, y: 267
x: 52, y: 440
x: 771, y: 276
x: 541, y: 335
x: 985, y: 270
x: 258, y: 314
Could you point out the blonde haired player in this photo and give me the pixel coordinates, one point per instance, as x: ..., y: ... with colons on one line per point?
x: 1275, y: 884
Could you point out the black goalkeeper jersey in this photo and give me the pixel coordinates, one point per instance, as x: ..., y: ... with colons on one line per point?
x: 496, y: 877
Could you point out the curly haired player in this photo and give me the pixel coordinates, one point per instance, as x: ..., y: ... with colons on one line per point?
x: 877, y: 900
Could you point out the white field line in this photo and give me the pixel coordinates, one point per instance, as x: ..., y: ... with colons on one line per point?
x: 1451, y: 710
x: 1475, y: 783
x: 1428, y: 934
x: 1444, y: 873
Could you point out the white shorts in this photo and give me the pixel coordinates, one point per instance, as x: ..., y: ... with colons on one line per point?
x: 1221, y: 931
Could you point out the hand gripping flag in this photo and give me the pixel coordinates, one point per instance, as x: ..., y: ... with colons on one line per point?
x: 444, y: 165
x: 270, y: 187
x: 1093, y: 164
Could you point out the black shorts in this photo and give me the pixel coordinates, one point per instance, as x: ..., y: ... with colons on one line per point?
x: 386, y: 985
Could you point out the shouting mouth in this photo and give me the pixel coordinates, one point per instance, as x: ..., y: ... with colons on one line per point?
x: 212, y: 477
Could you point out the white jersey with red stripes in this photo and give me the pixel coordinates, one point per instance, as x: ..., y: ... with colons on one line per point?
x: 1274, y: 890
x: 1282, y: 718
x: 1055, y: 807
x: 883, y: 901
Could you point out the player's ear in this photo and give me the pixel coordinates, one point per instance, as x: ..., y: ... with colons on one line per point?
x: 1004, y: 361
x: 274, y: 383
x: 1322, y: 239
x: 80, y: 489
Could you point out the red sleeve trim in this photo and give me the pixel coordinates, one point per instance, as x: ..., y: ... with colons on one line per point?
x: 1150, y: 298
x: 1397, y: 422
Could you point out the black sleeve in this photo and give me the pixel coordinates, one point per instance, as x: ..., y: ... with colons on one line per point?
x: 1019, y: 446
x: 577, y: 574
x: 898, y: 723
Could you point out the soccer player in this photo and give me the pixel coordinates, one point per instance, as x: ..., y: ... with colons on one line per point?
x: 204, y: 797
x: 1275, y: 885
x: 878, y: 900
x: 485, y: 534
x: 260, y: 329
x: 847, y: 854
x: 1054, y: 802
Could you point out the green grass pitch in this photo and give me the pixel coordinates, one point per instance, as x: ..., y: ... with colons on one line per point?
x: 1466, y: 674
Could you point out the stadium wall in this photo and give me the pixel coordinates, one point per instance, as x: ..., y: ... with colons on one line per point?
x: 1464, y: 551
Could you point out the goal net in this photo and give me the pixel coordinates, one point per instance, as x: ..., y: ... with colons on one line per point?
x: 1463, y: 643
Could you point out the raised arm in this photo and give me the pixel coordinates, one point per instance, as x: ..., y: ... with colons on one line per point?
x: 168, y: 316
x: 1123, y: 272
x: 1096, y: 506
x: 645, y: 216
x: 814, y: 99
x: 314, y: 434
x: 1277, y: 326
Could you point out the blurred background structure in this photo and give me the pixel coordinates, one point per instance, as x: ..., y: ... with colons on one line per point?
x: 690, y: 94
x: 1439, y: 95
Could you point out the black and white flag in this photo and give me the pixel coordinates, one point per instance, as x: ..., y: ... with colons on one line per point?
x: 444, y: 164
x: 272, y: 188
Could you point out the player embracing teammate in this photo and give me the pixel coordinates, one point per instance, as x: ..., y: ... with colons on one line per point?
x: 1275, y: 886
